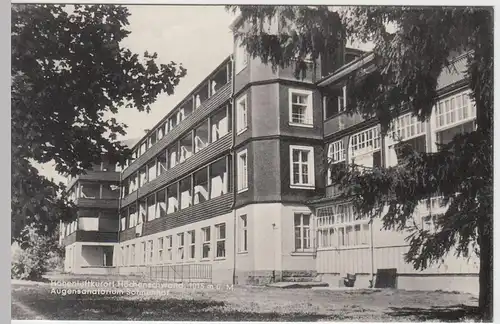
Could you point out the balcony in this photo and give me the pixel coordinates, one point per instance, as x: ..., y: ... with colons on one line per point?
x: 101, y: 176
x: 90, y: 236
x: 340, y: 122
x: 96, y: 203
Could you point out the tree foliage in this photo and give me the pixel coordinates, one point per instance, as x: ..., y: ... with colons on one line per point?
x: 408, y: 59
x: 69, y: 75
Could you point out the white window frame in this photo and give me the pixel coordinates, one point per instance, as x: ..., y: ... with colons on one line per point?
x: 218, y: 239
x: 367, y: 142
x: 242, y: 171
x: 336, y: 154
x: 335, y: 219
x: 191, y: 244
x: 308, y: 115
x: 181, y: 242
x: 243, y: 233
x: 150, y: 248
x: 301, y: 228
x: 144, y: 252
x: 453, y: 111
x: 169, y: 256
x: 342, y: 100
x: 206, y: 242
x: 161, y: 247
x: 241, y: 115
x: 310, y: 167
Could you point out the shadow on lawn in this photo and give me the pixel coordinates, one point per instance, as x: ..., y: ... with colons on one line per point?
x: 109, y: 308
x: 452, y: 313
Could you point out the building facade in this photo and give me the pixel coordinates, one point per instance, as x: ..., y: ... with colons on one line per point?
x: 235, y: 179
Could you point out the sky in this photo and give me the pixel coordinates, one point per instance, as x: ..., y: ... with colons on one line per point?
x: 196, y: 36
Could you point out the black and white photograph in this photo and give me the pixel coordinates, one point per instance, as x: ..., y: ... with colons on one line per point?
x: 251, y: 162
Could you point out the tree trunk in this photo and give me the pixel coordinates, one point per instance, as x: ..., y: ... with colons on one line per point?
x: 486, y: 271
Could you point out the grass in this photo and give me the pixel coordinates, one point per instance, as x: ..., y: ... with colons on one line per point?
x: 244, y: 303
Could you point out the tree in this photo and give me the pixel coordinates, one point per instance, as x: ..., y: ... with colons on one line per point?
x: 408, y: 61
x: 69, y: 75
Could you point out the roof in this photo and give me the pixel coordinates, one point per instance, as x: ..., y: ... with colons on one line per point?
x: 130, y: 142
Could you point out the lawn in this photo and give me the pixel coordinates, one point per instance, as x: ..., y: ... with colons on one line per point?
x: 244, y: 303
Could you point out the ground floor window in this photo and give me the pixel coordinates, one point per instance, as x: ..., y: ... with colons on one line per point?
x: 220, y: 231
x: 302, y: 231
x: 180, y: 246
x: 205, y: 232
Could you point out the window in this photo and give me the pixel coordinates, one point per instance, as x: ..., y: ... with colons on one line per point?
x: 152, y: 170
x: 123, y: 219
x: 172, y: 202
x: 143, y: 177
x: 133, y: 182
x: 201, y: 136
x: 152, y: 139
x: 90, y: 190
x: 200, y: 186
x: 169, y: 247
x: 143, y: 148
x: 143, y: 212
x: 144, y: 252
x: 192, y: 244
x: 161, y: 131
x: 161, y: 206
x: 186, y: 147
x: 185, y: 189
x: 365, y: 148
x: 405, y: 129
x: 446, y: 136
x: 151, y: 207
x: 300, y: 107
x: 302, y: 167
x: 241, y: 57
x: 205, y: 238
x: 241, y: 114
x: 132, y: 254
x: 180, y: 246
x: 110, y: 191
x: 218, y: 178
x: 160, y: 250
x: 338, y: 226
x: 126, y: 254
x: 161, y: 163
x: 220, y: 235
x: 243, y: 241
x: 302, y: 231
x: 150, y: 251
x: 336, y: 154
x: 454, y: 110
x: 172, y: 156
x: 132, y: 216
x: 242, y: 171
x: 219, y: 124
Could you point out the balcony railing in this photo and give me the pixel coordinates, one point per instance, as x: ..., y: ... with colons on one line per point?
x: 172, y: 273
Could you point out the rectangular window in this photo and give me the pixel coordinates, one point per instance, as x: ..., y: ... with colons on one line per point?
x: 336, y: 154
x: 90, y: 190
x: 161, y: 206
x: 219, y: 124
x: 160, y: 250
x: 201, y: 186
x: 218, y: 178
x: 186, y: 147
x: 192, y: 244
x: 454, y: 110
x: 161, y: 131
x: 143, y: 177
x: 150, y: 252
x: 205, y: 232
x: 172, y: 156
x: 126, y: 256
x: 169, y: 247
x: 144, y: 252
x: 152, y: 170
x: 161, y: 160
x: 180, y: 246
x: 243, y: 241
x: 185, y: 189
x: 123, y: 219
x: 172, y: 199
x: 220, y: 236
x: 133, y: 182
x: 151, y: 207
x: 143, y: 212
x: 242, y: 171
x: 241, y: 56
x: 365, y: 148
x: 342, y: 99
x: 132, y: 255
x: 302, y: 231
x: 301, y: 167
x: 300, y: 107
x: 241, y: 114
x: 201, y: 136
x: 152, y: 139
x: 446, y: 136
x: 143, y: 148
x: 405, y: 129
x: 132, y: 215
